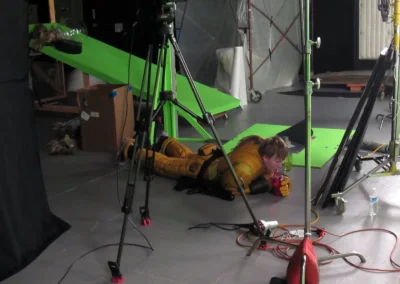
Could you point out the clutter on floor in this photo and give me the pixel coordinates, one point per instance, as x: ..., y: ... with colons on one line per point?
x: 67, y: 138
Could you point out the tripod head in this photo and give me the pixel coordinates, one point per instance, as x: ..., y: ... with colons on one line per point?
x: 165, y: 18
x: 167, y: 15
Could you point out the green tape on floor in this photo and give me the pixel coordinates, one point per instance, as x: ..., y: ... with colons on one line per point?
x: 323, y: 147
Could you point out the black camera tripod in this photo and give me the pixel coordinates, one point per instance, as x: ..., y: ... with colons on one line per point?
x: 144, y: 127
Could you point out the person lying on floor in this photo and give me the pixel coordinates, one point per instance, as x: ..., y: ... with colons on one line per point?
x: 256, y: 162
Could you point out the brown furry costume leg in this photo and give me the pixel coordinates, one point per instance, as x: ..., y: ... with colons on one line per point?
x: 174, y: 160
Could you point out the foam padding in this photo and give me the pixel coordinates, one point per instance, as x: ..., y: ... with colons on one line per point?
x: 323, y: 146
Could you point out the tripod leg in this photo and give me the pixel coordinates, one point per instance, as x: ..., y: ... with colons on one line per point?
x: 210, y: 121
x: 148, y: 177
x: 144, y: 210
x: 154, y: 110
x: 131, y: 184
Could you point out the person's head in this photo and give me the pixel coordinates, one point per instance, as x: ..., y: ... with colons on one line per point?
x: 273, y: 152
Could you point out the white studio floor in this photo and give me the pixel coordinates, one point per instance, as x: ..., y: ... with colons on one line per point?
x: 82, y: 190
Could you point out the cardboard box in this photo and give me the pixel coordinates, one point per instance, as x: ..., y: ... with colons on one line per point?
x: 107, y: 116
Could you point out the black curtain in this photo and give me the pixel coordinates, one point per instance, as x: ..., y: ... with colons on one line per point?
x: 333, y: 22
x: 27, y: 225
x: 142, y: 13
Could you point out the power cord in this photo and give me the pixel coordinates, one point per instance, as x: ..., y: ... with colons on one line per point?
x: 93, y: 250
x: 290, y: 237
x: 111, y: 245
x: 236, y: 227
x: 296, y: 236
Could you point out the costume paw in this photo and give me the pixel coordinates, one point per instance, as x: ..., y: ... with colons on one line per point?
x: 284, y: 188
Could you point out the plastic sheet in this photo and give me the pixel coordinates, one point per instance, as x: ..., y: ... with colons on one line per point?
x: 224, y: 69
x: 238, y: 78
x: 206, y: 27
x: 275, y: 42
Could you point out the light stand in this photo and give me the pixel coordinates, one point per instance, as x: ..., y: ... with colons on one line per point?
x: 143, y: 127
x: 304, y: 265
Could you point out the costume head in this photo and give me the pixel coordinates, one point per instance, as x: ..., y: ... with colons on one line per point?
x: 273, y: 152
x: 252, y: 139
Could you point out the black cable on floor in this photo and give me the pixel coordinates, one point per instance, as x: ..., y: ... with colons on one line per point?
x: 234, y: 227
x: 93, y: 250
x: 110, y: 245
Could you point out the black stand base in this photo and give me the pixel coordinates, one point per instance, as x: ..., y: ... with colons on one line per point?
x: 145, y: 215
x: 276, y: 280
x: 115, y: 272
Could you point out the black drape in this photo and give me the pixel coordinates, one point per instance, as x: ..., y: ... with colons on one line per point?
x: 27, y: 226
x: 143, y: 13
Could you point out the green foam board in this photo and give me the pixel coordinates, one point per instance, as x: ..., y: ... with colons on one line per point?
x: 323, y: 147
x: 110, y: 64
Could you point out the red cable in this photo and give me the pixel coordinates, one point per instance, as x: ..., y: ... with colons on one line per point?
x: 282, y: 251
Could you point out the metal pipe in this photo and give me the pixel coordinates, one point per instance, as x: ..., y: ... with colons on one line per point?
x: 303, y: 270
x: 343, y: 255
x: 396, y: 92
x: 308, y: 88
x: 365, y: 176
x: 249, y: 7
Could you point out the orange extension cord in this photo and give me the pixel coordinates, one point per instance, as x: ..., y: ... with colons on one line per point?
x: 283, y: 252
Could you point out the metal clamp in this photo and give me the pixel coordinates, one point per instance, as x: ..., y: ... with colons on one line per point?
x: 317, y: 43
x: 317, y: 83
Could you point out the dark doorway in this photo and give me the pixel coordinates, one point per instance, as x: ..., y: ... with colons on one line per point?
x: 335, y: 22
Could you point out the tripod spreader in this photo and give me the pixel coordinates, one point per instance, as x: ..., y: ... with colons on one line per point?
x: 169, y: 96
